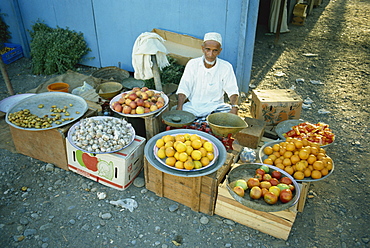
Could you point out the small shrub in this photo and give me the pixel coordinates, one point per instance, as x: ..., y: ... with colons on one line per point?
x: 55, y: 50
x: 4, y: 32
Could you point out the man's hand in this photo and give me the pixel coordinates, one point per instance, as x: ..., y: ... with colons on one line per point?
x: 181, y: 98
x: 234, y: 102
x: 234, y: 111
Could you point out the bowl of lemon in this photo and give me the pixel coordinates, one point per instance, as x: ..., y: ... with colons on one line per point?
x: 185, y: 151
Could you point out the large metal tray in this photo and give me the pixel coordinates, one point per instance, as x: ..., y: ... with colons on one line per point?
x: 148, y: 151
x: 48, y: 99
x: 9, y: 102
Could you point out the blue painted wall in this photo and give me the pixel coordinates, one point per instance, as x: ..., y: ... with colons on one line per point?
x: 110, y: 27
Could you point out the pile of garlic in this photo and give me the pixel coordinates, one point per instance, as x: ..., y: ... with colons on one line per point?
x: 102, y: 134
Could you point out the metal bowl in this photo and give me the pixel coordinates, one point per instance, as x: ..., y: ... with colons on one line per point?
x: 117, y: 97
x: 223, y: 124
x: 262, y: 156
x: 178, y: 118
x: 72, y: 130
x: 149, y: 154
x: 246, y: 171
x: 163, y: 161
x: 109, y: 89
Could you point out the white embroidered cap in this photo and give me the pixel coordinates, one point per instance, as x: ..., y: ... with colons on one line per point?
x: 213, y: 36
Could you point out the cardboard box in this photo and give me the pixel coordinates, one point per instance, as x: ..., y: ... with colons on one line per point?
x: 46, y: 145
x: 117, y: 170
x: 198, y: 193
x: 300, y: 10
x: 251, y: 136
x: 297, y: 20
x: 274, y: 106
x: 181, y: 47
x: 277, y: 224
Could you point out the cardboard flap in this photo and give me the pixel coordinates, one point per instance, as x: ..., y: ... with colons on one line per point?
x: 181, y: 47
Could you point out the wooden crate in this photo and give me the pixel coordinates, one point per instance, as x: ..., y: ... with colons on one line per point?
x: 154, y: 124
x: 198, y: 193
x: 277, y: 224
x: 47, y: 145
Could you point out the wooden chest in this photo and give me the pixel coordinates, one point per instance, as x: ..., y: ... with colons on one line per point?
x: 198, y: 193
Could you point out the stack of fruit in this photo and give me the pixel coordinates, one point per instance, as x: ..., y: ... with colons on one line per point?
x: 319, y: 133
x: 138, y: 101
x: 271, y: 187
x: 299, y: 158
x: 185, y: 151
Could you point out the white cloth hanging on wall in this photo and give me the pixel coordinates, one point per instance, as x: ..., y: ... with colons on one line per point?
x: 274, y: 17
x: 148, y: 44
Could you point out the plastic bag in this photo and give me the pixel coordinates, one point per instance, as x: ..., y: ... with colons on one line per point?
x: 80, y: 90
x: 127, y: 203
x: 248, y: 155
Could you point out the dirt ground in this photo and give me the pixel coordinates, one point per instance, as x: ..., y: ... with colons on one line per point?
x: 331, y: 47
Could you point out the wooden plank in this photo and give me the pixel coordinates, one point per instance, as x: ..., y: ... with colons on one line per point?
x: 37, y: 144
x: 277, y: 224
x: 196, y: 192
x: 305, y: 186
x: 156, y: 74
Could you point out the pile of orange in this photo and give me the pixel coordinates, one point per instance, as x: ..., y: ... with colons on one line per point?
x: 185, y: 151
x: 299, y: 158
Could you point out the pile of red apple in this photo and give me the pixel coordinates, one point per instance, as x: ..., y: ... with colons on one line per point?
x: 138, y: 101
x: 271, y: 188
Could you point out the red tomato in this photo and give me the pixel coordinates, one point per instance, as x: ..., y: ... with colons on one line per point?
x: 286, y: 195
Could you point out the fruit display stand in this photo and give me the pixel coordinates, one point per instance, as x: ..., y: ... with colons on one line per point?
x: 277, y: 224
x: 47, y: 145
x: 198, y: 193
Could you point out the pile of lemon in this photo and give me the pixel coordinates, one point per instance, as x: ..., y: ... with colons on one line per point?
x: 299, y: 158
x: 185, y: 151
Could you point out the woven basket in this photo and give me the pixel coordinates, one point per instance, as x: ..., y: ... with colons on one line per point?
x: 111, y: 73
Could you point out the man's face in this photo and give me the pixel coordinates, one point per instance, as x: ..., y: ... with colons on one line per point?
x: 211, y: 50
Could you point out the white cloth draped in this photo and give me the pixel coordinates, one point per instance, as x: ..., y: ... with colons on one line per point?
x: 148, y: 44
x: 274, y: 17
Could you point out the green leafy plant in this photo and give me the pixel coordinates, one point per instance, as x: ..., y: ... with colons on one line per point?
x: 55, y: 50
x: 169, y: 74
x: 4, y: 32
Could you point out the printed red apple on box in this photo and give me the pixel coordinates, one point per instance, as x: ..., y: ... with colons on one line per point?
x: 104, y: 168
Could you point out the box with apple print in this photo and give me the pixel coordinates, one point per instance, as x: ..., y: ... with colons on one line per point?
x: 116, y: 170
